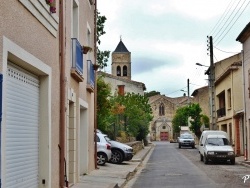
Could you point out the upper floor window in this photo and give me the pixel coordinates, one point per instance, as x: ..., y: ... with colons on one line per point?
x: 118, y: 71
x: 249, y: 83
x: 229, y: 98
x: 161, y: 110
x: 124, y: 70
x: 75, y: 19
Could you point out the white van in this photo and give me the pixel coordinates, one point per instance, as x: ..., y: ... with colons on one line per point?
x: 215, y: 146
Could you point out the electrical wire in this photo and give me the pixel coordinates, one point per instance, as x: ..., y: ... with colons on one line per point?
x: 221, y: 18
x: 234, y: 22
x: 225, y: 51
x: 226, y: 20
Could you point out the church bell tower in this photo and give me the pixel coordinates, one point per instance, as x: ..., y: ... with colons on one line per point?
x: 121, y: 61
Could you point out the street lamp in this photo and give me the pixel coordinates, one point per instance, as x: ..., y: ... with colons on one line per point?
x: 201, y: 65
x: 211, y: 77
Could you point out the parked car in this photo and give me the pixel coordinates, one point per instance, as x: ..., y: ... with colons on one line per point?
x: 186, y: 139
x: 103, y: 149
x: 215, y: 146
x: 120, y: 152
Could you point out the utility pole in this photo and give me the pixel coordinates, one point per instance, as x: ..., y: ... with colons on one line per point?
x: 212, y: 88
x: 188, y: 91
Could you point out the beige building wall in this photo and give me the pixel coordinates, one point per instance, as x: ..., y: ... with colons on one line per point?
x: 29, y: 38
x: 244, y: 38
x: 30, y: 41
x: 130, y: 86
x: 201, y: 96
x: 80, y: 150
x: 229, y: 98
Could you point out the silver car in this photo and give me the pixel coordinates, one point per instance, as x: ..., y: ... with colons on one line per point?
x: 103, y: 149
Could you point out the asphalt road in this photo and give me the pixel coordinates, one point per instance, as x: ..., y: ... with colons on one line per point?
x: 168, y: 166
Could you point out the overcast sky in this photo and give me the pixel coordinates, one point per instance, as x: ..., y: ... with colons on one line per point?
x: 167, y: 37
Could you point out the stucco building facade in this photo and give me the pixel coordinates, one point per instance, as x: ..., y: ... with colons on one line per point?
x: 244, y: 38
x: 229, y: 99
x: 33, y: 146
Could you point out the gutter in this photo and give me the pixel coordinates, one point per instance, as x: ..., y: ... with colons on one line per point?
x: 62, y: 93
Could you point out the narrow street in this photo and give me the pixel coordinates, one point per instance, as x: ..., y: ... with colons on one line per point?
x: 169, y: 166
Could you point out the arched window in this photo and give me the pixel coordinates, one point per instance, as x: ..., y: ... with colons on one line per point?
x: 124, y: 70
x: 118, y: 71
x: 161, y: 110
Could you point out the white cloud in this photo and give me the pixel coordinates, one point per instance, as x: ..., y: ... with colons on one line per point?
x: 167, y: 37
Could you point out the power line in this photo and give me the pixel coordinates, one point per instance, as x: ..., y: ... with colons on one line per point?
x: 230, y: 21
x: 234, y: 21
x: 221, y: 18
x: 225, y: 51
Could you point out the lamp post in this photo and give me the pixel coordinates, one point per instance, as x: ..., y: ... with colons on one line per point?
x: 211, y: 78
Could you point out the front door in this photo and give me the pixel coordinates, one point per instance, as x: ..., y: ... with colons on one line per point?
x: 164, y: 136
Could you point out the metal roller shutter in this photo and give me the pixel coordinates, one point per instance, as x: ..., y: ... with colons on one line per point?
x: 22, y: 128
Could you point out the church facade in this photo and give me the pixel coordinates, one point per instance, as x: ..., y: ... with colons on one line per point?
x: 164, y: 109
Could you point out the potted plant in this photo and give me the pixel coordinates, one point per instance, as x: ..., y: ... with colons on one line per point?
x: 86, y: 49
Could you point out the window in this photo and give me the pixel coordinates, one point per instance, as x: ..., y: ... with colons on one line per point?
x: 229, y: 98
x: 161, y: 110
x: 124, y: 70
x: 118, y: 71
x: 75, y: 20
x: 249, y: 83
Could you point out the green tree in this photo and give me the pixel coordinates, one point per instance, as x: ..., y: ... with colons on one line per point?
x: 103, y: 105
x: 152, y: 93
x: 102, y: 56
x: 193, y: 111
x: 135, y: 113
x: 195, y: 114
x: 180, y: 119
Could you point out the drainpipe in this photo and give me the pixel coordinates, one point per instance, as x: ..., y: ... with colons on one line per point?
x: 95, y: 89
x: 245, y: 106
x: 62, y: 91
x: 1, y: 87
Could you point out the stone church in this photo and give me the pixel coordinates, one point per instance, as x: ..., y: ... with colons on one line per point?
x: 163, y: 109
x: 120, y: 77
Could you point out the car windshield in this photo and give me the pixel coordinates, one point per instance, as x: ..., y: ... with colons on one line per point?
x: 187, y: 136
x: 217, y: 141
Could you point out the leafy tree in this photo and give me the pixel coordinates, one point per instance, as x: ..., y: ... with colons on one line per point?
x: 195, y: 114
x: 182, y: 115
x: 180, y: 119
x: 103, y: 105
x: 134, y: 113
x: 152, y: 93
x: 102, y: 56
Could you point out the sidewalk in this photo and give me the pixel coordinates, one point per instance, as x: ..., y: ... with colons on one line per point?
x: 113, y: 175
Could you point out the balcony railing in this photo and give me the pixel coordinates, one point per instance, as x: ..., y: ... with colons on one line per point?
x: 221, y: 112
x: 91, y: 76
x: 77, y: 60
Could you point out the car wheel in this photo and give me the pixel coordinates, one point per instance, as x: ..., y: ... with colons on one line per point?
x: 201, y: 157
x: 179, y: 146
x: 193, y: 146
x: 205, y: 159
x: 101, y: 158
x: 116, y: 157
x: 232, y: 161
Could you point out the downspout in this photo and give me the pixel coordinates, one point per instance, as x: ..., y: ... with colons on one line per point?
x: 95, y: 89
x: 1, y: 87
x: 62, y: 91
x: 245, y: 119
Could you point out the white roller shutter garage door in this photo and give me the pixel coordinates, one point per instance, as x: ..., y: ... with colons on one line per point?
x: 22, y: 129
